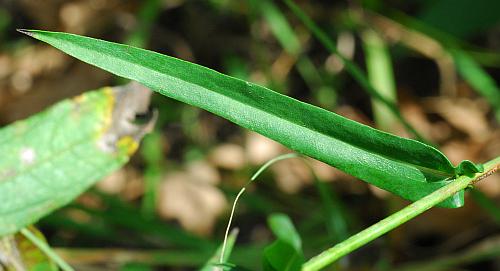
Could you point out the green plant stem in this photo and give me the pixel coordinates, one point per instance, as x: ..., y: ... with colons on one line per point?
x: 331, y: 255
x: 46, y: 249
x: 254, y: 176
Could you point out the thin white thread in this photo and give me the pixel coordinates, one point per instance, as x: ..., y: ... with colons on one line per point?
x: 221, y: 260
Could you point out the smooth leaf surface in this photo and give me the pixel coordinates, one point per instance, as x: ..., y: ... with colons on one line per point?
x: 49, y: 159
x: 402, y: 166
x: 284, y: 254
x: 283, y: 228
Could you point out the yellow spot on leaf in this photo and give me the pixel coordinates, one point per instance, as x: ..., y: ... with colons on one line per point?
x: 107, y: 108
x: 79, y: 99
x: 127, y: 145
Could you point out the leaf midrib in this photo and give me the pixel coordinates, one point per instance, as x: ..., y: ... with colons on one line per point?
x: 271, y: 113
x: 148, y: 68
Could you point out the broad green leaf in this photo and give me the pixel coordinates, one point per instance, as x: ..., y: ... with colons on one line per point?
x: 402, y: 166
x: 284, y: 254
x: 49, y: 159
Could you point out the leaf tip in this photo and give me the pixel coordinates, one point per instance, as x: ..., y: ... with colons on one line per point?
x: 26, y: 32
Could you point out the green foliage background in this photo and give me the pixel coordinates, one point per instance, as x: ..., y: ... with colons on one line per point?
x: 266, y: 43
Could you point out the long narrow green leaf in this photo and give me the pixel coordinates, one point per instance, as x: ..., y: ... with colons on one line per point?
x: 49, y: 159
x: 279, y: 26
x: 405, y: 167
x: 478, y: 78
x: 152, y: 153
x: 380, y: 74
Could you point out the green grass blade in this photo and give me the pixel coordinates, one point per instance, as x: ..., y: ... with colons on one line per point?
x: 279, y: 27
x: 334, y: 211
x: 20, y: 253
x: 380, y: 74
x: 215, y: 259
x: 123, y: 215
x: 402, y: 166
x: 466, y: 65
x: 289, y: 40
x: 479, y: 79
x: 43, y: 246
x: 149, y: 12
x: 151, y: 151
x: 49, y: 159
x: 350, y: 66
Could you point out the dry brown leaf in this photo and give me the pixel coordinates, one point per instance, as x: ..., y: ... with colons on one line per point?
x: 281, y: 66
x: 126, y: 182
x: 379, y: 193
x: 464, y: 114
x: 353, y: 114
x: 415, y: 115
x: 196, y: 205
x: 261, y: 149
x: 458, y: 151
x: 203, y: 172
x: 5, y: 66
x: 323, y: 171
x: 114, y: 183
x: 291, y: 175
x: 134, y: 187
x: 228, y: 156
x: 490, y: 186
